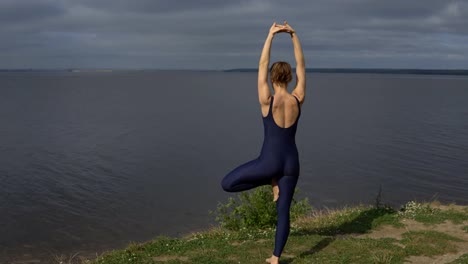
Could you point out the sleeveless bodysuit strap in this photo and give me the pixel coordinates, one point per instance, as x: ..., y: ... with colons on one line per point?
x: 298, y: 104
x: 270, y: 111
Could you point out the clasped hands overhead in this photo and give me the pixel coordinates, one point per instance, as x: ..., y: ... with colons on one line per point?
x: 277, y: 28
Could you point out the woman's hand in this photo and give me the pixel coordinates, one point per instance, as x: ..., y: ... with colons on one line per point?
x: 275, y: 28
x: 288, y: 28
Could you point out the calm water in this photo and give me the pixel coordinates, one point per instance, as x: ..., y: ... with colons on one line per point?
x: 91, y: 161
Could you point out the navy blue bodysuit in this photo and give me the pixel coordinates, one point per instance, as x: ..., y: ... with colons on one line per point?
x: 278, y: 159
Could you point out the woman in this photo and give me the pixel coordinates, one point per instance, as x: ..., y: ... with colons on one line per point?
x: 278, y: 163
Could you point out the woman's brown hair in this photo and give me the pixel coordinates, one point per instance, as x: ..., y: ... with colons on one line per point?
x: 280, y: 72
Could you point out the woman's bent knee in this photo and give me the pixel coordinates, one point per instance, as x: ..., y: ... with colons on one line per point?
x: 226, y: 185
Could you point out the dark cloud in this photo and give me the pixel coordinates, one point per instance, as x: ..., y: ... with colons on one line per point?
x: 214, y: 34
x: 157, y: 6
x: 26, y: 11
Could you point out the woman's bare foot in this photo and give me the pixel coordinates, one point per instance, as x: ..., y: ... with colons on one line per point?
x: 273, y: 260
x: 274, y: 184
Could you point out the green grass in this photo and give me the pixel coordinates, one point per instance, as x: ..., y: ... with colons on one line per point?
x: 427, y: 214
x: 333, y: 236
x: 358, y: 219
x: 438, y: 216
x: 428, y: 243
x: 351, y: 250
x: 463, y: 259
x: 465, y: 228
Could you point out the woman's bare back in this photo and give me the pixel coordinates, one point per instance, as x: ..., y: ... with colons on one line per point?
x: 284, y: 109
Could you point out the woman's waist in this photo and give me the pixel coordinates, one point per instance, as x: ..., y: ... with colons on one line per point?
x: 279, y: 149
x: 275, y: 142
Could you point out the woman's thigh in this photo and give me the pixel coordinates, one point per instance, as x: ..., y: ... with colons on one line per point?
x: 248, y: 175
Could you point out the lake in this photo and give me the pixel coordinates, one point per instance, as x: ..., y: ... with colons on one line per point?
x: 92, y: 161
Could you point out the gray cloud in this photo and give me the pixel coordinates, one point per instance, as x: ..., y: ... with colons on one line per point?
x: 212, y: 34
x: 27, y: 11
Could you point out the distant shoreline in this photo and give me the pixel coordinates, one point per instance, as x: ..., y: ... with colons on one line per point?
x: 373, y: 71
x: 458, y: 72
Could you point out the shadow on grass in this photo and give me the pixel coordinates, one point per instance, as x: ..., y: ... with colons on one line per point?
x: 360, y: 224
x: 319, y: 246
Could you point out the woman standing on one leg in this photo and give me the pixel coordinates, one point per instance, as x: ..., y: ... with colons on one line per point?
x: 278, y: 163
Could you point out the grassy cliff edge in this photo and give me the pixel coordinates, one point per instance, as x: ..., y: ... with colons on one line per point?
x: 417, y: 233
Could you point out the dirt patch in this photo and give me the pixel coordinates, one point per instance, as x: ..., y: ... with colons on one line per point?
x: 30, y: 261
x: 288, y: 256
x: 238, y: 243
x: 385, y: 231
x: 455, y: 207
x: 232, y: 258
x: 447, y: 227
x: 168, y: 258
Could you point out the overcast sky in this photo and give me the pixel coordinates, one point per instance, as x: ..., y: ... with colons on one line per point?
x: 215, y: 34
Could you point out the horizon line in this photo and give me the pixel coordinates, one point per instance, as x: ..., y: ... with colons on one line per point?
x: 226, y: 69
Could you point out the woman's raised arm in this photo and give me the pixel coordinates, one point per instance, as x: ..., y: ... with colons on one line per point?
x: 264, y: 92
x: 300, y: 89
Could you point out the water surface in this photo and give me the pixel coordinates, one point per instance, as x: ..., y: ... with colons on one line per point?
x: 91, y: 161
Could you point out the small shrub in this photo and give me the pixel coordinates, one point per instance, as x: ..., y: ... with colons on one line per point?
x: 255, y: 209
x: 413, y: 209
x: 424, y: 213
